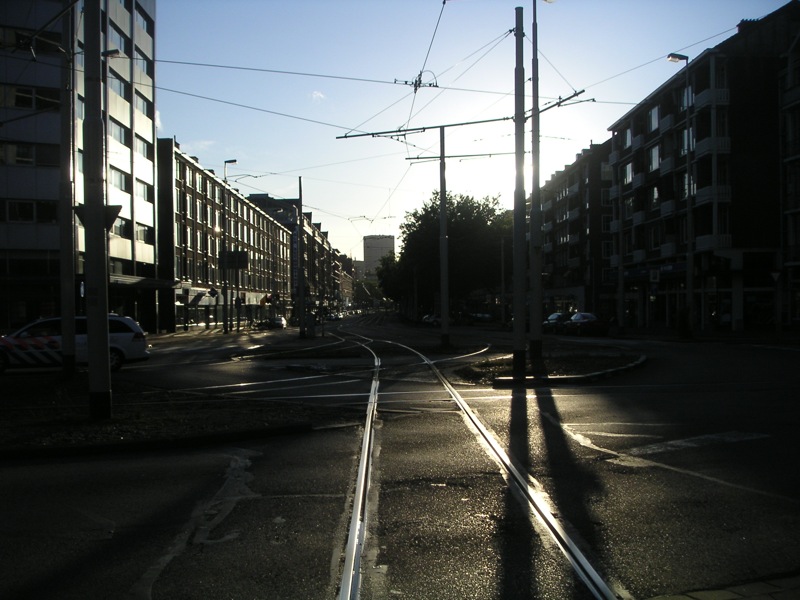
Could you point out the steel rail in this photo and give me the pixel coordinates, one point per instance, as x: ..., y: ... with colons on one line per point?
x: 351, y: 573
x: 597, y: 586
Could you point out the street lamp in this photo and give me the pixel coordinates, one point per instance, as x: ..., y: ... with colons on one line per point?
x: 689, y: 324
x: 224, y: 253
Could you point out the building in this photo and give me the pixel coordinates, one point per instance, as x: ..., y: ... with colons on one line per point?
x: 41, y: 157
x: 375, y: 248
x: 224, y: 255
x: 318, y: 261
x: 576, y: 250
x: 697, y: 186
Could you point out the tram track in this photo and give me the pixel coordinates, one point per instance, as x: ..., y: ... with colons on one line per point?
x: 522, y: 482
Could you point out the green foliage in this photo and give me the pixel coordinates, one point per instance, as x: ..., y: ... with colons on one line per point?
x: 475, y: 229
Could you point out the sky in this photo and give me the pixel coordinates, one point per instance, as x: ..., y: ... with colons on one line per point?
x: 288, y: 88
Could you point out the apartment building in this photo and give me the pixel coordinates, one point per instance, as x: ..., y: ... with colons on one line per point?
x: 225, y: 256
x: 41, y: 156
x: 319, y: 261
x: 576, y: 249
x: 697, y: 186
x: 787, y: 273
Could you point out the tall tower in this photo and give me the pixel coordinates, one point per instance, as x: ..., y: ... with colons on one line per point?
x: 375, y: 248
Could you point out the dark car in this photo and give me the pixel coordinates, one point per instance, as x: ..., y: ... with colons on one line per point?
x: 584, y: 323
x: 555, y: 322
x: 276, y: 323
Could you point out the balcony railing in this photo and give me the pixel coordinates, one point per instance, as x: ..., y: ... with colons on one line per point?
x: 638, y: 180
x: 666, y: 165
x: 706, y: 194
x: 574, y: 214
x: 712, y: 96
x: 667, y: 207
x: 638, y: 217
x: 573, y: 189
x: 666, y: 123
x: 639, y: 256
x: 718, y: 144
x: 573, y: 263
x: 667, y: 249
x: 704, y: 243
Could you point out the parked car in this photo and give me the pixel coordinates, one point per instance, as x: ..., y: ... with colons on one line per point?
x: 276, y: 322
x: 584, y: 323
x: 555, y: 322
x: 39, y: 344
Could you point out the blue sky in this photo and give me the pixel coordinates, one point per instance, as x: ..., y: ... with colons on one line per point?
x: 288, y: 77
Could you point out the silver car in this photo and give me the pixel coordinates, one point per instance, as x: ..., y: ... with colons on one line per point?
x: 39, y: 344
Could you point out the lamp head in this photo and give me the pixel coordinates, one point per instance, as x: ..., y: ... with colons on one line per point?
x: 675, y: 57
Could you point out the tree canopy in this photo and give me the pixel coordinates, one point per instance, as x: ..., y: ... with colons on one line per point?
x: 475, y: 229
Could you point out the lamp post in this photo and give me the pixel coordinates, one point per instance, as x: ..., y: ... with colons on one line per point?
x: 689, y: 324
x: 224, y: 253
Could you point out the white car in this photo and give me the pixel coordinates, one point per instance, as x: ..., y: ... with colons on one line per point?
x: 39, y: 343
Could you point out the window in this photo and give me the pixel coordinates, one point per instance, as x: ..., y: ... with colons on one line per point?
x: 652, y: 119
x: 653, y: 158
x: 122, y: 228
x: 118, y: 40
x: 144, y: 21
x: 627, y: 138
x: 119, y: 132
x: 143, y: 191
x: 118, y: 85
x: 143, y: 105
x: 20, y: 211
x: 144, y: 63
x: 627, y: 173
x: 119, y: 179
x: 144, y: 148
x: 144, y: 234
x: 687, y: 97
x: 687, y: 141
x: 652, y: 198
x: 23, y: 153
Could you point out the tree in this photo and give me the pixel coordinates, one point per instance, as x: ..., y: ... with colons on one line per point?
x: 475, y: 229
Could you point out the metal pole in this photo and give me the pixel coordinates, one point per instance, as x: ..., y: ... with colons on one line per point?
x: 224, y: 253
x: 518, y: 366
x: 66, y: 217
x: 94, y: 224
x: 301, y: 267
x: 689, y: 216
x: 535, y: 339
x: 444, y: 286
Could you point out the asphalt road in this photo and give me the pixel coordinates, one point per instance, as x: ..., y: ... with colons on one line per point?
x: 677, y: 476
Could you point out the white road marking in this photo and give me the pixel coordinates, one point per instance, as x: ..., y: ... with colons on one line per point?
x: 696, y: 442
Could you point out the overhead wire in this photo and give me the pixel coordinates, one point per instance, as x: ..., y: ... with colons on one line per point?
x: 418, y: 80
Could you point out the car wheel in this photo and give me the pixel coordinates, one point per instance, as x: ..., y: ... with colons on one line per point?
x: 115, y: 359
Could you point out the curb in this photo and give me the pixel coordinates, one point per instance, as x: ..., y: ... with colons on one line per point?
x: 536, y: 381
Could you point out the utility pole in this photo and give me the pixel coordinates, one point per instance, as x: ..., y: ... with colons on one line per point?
x: 66, y: 216
x: 301, y: 262
x: 444, y: 275
x: 519, y: 246
x: 94, y: 218
x: 535, y: 242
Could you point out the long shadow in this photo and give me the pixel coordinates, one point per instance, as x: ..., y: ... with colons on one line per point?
x: 517, y: 548
x: 570, y: 487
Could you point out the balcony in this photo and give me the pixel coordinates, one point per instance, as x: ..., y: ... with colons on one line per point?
x: 639, y: 256
x: 547, y: 248
x: 667, y: 250
x: 573, y: 189
x: 547, y: 227
x: 667, y: 123
x: 704, y: 243
x: 667, y: 165
x: 574, y: 263
x: 574, y: 238
x: 638, y: 180
x: 637, y: 142
x: 717, y: 145
x: 790, y: 96
x: 613, y: 226
x: 667, y: 208
x: 706, y: 195
x: 574, y: 214
x: 711, y: 96
x: 638, y: 218
x: 547, y: 206
x: 613, y: 260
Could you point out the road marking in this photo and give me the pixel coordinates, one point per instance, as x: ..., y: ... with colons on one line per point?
x: 696, y: 442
